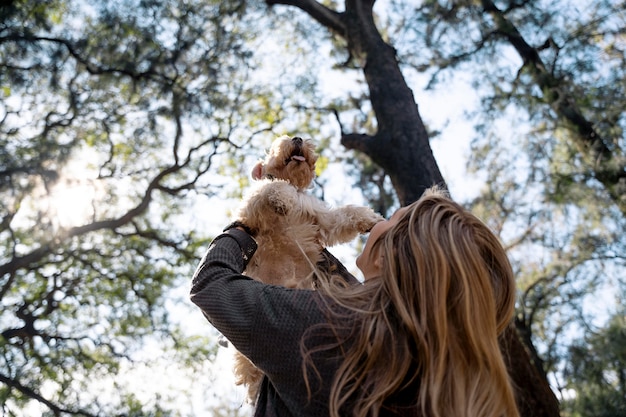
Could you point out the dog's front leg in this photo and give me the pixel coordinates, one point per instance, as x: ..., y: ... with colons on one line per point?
x: 342, y: 224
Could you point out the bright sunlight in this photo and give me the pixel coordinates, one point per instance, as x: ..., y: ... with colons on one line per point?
x: 70, y: 200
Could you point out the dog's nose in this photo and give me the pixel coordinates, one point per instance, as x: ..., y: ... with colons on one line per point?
x: 297, y: 140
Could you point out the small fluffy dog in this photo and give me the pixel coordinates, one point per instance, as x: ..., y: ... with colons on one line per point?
x: 291, y: 227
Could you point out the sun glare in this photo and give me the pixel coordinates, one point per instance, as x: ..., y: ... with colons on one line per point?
x: 71, y: 202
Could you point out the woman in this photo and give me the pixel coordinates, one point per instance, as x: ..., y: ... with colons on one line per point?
x: 418, y: 338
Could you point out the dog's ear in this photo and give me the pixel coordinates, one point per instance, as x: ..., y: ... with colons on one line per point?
x: 257, y: 171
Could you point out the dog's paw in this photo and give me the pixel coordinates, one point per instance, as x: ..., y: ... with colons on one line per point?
x: 365, y: 218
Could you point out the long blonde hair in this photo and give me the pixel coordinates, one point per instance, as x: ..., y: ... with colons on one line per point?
x: 430, y: 323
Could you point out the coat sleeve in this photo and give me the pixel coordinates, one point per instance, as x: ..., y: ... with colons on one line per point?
x: 264, y: 322
x: 226, y: 297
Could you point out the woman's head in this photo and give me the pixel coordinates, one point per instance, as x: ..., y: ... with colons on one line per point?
x: 444, y: 286
x: 437, y: 252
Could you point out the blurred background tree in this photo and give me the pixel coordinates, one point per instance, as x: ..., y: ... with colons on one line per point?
x: 128, y: 126
x: 596, y: 368
x: 112, y: 116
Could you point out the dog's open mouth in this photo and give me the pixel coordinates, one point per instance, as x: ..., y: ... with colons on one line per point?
x: 296, y: 153
x: 295, y: 157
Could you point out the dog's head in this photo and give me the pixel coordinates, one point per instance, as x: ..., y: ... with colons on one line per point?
x: 290, y: 159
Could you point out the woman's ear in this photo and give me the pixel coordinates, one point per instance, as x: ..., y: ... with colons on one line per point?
x: 378, y: 262
x: 257, y: 171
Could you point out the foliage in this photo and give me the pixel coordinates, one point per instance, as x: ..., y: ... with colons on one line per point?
x: 596, y: 368
x: 152, y: 111
x: 112, y: 116
x: 562, y: 66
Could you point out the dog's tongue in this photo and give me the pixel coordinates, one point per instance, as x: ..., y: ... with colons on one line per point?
x: 298, y: 158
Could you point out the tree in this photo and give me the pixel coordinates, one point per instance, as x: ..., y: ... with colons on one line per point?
x: 565, y: 71
x: 139, y: 98
x: 401, y: 139
x: 562, y: 65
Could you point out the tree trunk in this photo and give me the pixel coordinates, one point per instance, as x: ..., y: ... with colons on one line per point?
x: 534, y: 396
x: 401, y: 147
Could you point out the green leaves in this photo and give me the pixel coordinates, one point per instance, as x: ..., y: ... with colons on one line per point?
x: 140, y: 96
x: 596, y: 369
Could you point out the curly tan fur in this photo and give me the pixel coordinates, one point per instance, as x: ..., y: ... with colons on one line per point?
x: 291, y: 227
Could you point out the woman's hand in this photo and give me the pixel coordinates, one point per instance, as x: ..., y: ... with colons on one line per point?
x: 240, y: 226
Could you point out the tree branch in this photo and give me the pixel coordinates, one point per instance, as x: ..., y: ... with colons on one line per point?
x: 48, y: 247
x: 358, y: 142
x: 608, y: 165
x: 90, y: 67
x: 56, y: 410
x: 325, y: 16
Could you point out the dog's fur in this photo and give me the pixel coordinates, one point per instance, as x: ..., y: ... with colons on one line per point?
x: 291, y: 227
